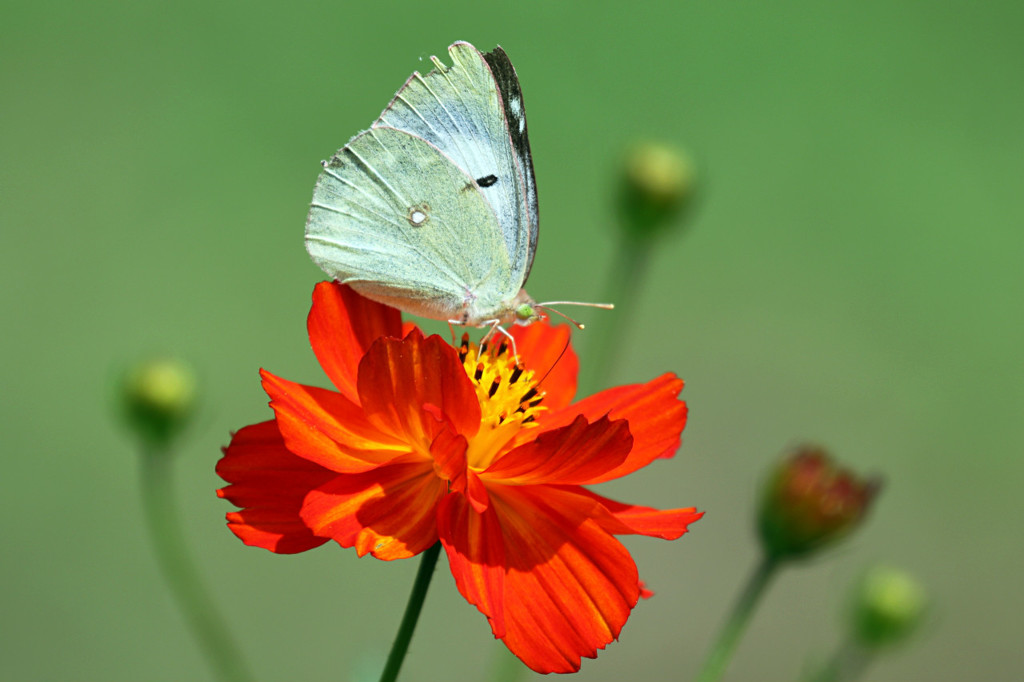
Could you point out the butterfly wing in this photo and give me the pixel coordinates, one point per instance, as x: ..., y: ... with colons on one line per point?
x: 515, y: 120
x: 402, y: 223
x: 473, y: 112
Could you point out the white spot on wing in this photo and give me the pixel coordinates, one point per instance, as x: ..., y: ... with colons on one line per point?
x: 418, y: 215
x: 515, y: 105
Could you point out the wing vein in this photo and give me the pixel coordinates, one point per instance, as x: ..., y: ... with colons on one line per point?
x: 380, y: 179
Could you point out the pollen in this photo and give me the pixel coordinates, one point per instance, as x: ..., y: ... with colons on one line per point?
x: 509, y: 398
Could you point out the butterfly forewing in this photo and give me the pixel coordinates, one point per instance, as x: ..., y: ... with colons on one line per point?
x: 461, y: 109
x: 391, y: 217
x: 515, y: 117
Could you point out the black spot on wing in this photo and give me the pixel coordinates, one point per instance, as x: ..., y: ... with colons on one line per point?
x: 487, y: 180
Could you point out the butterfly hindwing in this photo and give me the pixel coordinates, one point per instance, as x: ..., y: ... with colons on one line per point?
x: 397, y: 219
x: 462, y: 110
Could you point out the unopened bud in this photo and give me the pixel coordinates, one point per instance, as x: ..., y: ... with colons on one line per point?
x: 889, y: 604
x: 158, y: 396
x: 658, y: 183
x: 810, y: 503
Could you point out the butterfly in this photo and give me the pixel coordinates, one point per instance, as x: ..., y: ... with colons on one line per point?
x: 433, y: 210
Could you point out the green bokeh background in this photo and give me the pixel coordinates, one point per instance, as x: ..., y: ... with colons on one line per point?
x: 852, y: 277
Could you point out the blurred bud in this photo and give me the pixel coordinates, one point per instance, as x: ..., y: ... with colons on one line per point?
x: 888, y: 606
x: 158, y: 397
x: 810, y: 502
x: 658, y: 183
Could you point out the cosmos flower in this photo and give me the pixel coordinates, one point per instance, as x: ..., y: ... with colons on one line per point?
x: 481, y: 449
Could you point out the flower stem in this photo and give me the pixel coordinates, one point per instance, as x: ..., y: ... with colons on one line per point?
x: 622, y: 288
x: 720, y: 654
x: 196, y: 603
x: 412, y: 614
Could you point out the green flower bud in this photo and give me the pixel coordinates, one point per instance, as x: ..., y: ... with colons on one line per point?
x: 158, y: 396
x: 657, y: 184
x: 888, y: 606
x: 810, y: 503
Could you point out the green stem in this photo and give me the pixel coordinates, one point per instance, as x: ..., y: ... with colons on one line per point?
x: 622, y: 288
x: 848, y: 664
x: 195, y: 601
x: 720, y: 654
x: 412, y: 614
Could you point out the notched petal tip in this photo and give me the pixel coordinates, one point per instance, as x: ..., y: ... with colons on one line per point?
x: 269, y: 483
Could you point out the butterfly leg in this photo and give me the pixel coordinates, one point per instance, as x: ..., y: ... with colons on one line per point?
x: 495, y: 325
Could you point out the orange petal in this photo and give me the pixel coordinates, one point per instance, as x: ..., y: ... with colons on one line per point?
x: 576, y: 454
x: 389, y: 512
x: 546, y: 349
x: 269, y: 482
x: 568, y: 585
x: 342, y: 325
x: 476, y: 554
x: 655, y: 414
x: 325, y: 427
x: 398, y: 377
x: 449, y: 453
x: 631, y: 519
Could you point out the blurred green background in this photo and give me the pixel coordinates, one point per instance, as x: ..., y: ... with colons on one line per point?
x: 852, y: 276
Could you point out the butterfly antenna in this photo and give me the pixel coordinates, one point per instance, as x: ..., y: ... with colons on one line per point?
x: 555, y: 363
x: 576, y: 324
x: 547, y: 306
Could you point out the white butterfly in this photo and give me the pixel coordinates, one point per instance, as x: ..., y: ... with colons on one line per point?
x: 433, y: 210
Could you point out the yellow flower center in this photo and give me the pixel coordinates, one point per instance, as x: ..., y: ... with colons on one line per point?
x: 508, y: 395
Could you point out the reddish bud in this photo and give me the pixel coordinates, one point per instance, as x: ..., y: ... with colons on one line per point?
x: 810, y: 503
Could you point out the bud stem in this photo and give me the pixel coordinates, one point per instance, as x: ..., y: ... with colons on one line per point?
x: 622, y: 288
x: 721, y: 652
x: 207, y: 625
x: 848, y: 663
x: 412, y: 614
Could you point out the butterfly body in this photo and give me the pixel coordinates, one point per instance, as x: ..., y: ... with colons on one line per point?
x: 433, y: 210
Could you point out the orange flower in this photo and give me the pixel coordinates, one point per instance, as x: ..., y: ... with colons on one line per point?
x: 424, y: 442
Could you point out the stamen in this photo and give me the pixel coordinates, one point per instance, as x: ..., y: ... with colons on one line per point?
x: 508, y: 395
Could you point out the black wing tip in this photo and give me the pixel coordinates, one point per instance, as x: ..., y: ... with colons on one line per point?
x: 497, y: 53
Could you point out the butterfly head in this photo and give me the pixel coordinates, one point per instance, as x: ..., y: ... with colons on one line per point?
x: 524, y: 309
